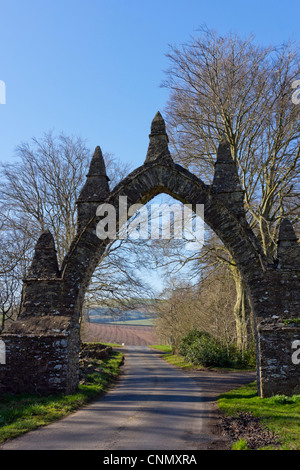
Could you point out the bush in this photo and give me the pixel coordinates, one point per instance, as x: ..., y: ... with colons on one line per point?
x: 201, y: 348
x: 189, y: 339
x: 241, y: 359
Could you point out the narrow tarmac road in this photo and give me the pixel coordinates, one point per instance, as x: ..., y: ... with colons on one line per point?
x: 154, y: 406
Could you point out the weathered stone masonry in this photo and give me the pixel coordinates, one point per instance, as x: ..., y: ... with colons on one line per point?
x: 42, y: 347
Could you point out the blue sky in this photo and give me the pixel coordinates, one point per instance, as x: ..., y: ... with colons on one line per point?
x: 93, y: 68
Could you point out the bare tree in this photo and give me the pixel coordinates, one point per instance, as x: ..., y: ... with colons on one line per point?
x: 14, y: 261
x: 229, y: 86
x: 184, y: 306
x: 176, y: 313
x: 38, y: 192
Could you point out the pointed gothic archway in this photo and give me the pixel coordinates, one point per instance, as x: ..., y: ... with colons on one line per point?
x: 48, y: 328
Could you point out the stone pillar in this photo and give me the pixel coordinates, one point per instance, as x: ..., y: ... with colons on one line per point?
x: 279, y: 327
x: 41, y: 356
x: 279, y: 369
x: 42, y: 346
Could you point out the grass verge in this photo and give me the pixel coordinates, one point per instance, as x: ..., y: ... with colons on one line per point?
x: 280, y: 414
x: 179, y: 361
x: 174, y: 359
x: 23, y: 413
x: 161, y: 347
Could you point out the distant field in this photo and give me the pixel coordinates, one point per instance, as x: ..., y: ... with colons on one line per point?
x: 148, y: 322
x: 110, y: 316
x: 129, y: 335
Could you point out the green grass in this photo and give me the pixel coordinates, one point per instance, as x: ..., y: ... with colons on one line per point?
x: 174, y: 359
x: 280, y: 414
x: 241, y: 444
x: 161, y: 347
x: 179, y: 361
x: 23, y: 413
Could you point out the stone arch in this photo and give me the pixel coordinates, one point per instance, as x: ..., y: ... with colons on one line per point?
x: 53, y: 296
x: 140, y: 187
x: 223, y: 202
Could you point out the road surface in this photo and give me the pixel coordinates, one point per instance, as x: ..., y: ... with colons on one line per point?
x: 154, y: 406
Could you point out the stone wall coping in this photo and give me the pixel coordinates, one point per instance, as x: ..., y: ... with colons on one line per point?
x: 40, y: 326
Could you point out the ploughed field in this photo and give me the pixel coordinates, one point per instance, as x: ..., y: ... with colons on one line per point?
x: 130, y: 335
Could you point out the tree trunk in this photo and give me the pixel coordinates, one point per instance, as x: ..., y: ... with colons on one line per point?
x: 242, y: 312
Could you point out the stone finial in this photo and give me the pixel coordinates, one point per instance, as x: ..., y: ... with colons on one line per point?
x: 44, y: 264
x: 286, y: 231
x: 226, y: 183
x: 158, y: 125
x: 158, y: 144
x: 288, y: 248
x: 226, y: 177
x: 97, y: 165
x: 224, y: 152
x: 96, y: 188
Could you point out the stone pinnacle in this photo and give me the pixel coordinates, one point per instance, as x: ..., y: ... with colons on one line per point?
x: 158, y: 126
x: 158, y: 144
x: 226, y: 177
x: 44, y: 264
x: 288, y: 248
x: 97, y: 165
x: 224, y: 151
x: 286, y: 231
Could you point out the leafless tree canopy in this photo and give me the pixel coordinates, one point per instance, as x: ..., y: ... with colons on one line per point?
x: 231, y: 86
x: 38, y: 192
x: 228, y: 86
